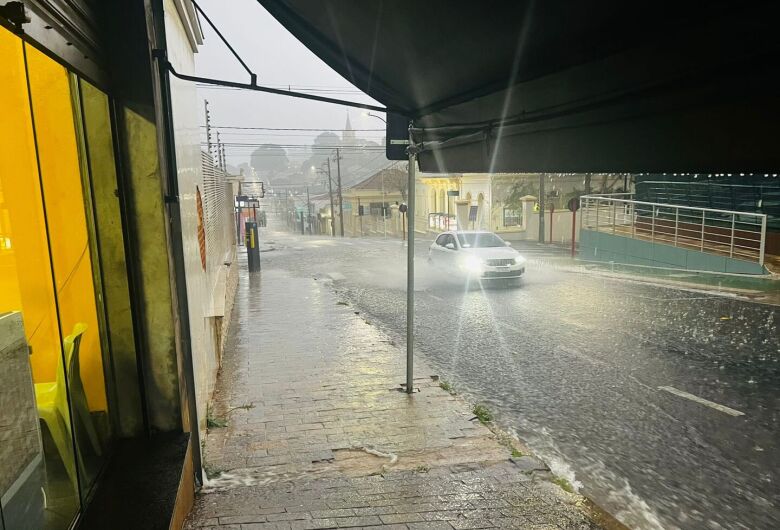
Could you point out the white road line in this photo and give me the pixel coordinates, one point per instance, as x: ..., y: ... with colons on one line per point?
x: 701, y: 401
x: 439, y: 298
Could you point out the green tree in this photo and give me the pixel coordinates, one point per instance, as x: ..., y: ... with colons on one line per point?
x: 269, y: 157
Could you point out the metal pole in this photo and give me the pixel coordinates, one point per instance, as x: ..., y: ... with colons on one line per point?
x: 384, y: 206
x: 762, y: 245
x: 332, y: 211
x: 341, y: 199
x: 676, y: 224
x: 208, y: 130
x: 552, y: 211
x: 360, y: 218
x: 541, y: 208
x: 410, y: 270
x: 614, y: 215
x: 652, y: 226
x: 308, y: 212
x: 598, y: 207
x: 573, y: 230
x: 703, y: 221
x: 733, y: 222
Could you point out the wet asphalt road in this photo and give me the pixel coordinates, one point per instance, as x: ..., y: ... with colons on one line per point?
x: 572, y: 362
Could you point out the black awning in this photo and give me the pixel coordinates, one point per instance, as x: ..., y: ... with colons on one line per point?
x: 561, y: 86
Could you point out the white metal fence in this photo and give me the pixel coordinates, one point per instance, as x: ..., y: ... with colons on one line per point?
x: 731, y: 233
x: 218, y: 217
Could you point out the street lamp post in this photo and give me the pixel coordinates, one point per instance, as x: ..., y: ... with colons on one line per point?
x: 384, y: 213
x: 374, y: 116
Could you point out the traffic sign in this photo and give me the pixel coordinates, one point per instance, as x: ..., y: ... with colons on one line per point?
x: 573, y: 204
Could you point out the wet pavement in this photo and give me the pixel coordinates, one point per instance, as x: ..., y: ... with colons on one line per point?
x: 309, y: 428
x: 660, y: 404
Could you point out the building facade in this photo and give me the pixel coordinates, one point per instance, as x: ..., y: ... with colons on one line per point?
x: 116, y: 262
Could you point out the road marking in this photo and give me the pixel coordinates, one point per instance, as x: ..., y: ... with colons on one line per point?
x: 336, y: 276
x: 701, y: 401
x: 439, y: 298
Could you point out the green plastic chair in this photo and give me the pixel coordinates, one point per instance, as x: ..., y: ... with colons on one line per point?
x: 52, y: 402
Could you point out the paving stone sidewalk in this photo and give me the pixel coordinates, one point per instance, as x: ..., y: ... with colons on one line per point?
x: 309, y: 430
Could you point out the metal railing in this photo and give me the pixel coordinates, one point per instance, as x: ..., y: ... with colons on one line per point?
x: 441, y: 221
x: 740, y: 235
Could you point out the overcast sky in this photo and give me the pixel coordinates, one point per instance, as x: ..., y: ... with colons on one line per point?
x: 279, y: 60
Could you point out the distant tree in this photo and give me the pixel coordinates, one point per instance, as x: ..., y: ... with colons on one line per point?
x: 327, y: 139
x: 398, y: 181
x: 269, y: 157
x: 513, y: 189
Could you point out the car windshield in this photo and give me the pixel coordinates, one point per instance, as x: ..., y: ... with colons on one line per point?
x: 480, y: 240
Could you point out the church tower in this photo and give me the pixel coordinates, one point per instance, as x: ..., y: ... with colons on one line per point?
x: 348, y: 136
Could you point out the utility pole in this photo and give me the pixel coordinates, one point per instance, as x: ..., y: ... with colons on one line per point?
x: 341, y: 200
x: 308, y: 211
x: 332, y: 211
x: 384, y: 206
x: 541, y: 207
x: 360, y: 215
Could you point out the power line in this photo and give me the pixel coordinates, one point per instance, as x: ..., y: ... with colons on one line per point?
x: 286, y: 135
x: 289, y: 128
x: 305, y: 146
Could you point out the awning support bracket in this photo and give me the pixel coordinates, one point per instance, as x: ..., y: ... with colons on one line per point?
x: 252, y: 75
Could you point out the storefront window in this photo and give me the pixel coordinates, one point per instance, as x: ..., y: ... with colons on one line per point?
x: 38, y: 479
x: 54, y: 421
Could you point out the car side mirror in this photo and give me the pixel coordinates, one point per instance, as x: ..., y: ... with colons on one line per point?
x: 450, y: 246
x: 508, y: 243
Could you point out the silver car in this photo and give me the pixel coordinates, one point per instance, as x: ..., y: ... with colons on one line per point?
x: 476, y: 255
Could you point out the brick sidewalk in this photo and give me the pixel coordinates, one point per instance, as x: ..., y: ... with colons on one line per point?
x: 309, y: 430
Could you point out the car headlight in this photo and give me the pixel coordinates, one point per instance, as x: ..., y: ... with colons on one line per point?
x: 471, y: 264
x: 519, y: 260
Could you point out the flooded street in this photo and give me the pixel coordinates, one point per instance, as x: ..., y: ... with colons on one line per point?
x: 660, y: 404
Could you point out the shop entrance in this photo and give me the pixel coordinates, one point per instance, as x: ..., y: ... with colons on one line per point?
x: 55, y: 378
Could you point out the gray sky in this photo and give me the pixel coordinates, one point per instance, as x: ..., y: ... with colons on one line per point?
x: 279, y: 60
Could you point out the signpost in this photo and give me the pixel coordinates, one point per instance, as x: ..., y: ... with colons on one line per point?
x: 573, y: 205
x: 552, y: 211
x: 402, y: 208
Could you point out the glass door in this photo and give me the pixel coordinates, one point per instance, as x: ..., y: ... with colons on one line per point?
x: 54, y: 418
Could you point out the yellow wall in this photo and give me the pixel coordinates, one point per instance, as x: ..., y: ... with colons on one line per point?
x: 63, y: 196
x: 25, y: 273
x: 25, y: 267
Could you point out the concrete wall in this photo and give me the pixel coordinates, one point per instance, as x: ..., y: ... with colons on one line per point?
x: 600, y: 246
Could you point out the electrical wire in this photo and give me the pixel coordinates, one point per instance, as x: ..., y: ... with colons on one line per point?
x: 288, y: 128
